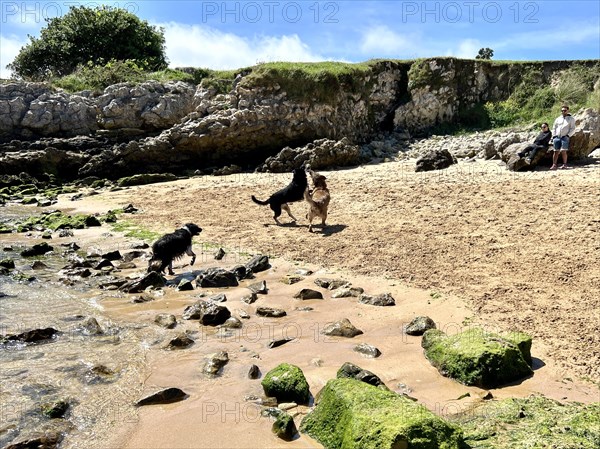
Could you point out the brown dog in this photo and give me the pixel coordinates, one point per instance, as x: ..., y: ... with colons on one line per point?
x: 318, y: 199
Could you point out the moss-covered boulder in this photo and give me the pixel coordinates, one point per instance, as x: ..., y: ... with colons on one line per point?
x: 479, y: 358
x: 284, y: 427
x: 286, y: 383
x: 356, y: 415
x: 532, y: 422
x: 145, y: 178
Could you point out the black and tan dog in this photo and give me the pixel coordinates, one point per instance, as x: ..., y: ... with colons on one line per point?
x: 318, y: 199
x: 173, y: 246
x: 294, y: 191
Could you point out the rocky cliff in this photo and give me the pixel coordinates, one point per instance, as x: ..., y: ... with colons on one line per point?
x: 177, y: 127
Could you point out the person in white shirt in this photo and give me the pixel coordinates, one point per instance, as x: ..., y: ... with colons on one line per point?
x: 562, y: 130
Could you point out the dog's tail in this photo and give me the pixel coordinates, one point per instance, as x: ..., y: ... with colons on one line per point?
x: 262, y: 203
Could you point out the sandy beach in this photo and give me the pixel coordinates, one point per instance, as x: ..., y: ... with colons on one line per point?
x: 470, y: 245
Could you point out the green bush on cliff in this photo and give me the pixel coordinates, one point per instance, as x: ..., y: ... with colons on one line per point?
x: 87, y: 34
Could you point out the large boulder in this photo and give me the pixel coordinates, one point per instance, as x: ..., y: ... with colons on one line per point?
x: 286, y: 383
x: 322, y: 153
x: 355, y: 415
x: 587, y: 134
x: 435, y: 160
x: 479, y: 358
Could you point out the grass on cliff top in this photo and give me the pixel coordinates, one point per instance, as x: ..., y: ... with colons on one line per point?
x: 319, y: 81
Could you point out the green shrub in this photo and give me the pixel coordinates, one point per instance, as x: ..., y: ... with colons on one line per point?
x: 502, y: 113
x: 99, y: 76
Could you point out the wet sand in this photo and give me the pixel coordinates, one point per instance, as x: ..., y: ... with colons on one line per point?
x: 448, y: 245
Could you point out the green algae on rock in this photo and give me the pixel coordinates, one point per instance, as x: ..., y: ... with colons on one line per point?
x: 145, y: 178
x: 354, y: 415
x: 533, y: 422
x: 287, y: 383
x: 479, y: 358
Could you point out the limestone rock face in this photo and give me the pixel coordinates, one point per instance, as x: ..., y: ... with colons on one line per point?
x: 356, y: 415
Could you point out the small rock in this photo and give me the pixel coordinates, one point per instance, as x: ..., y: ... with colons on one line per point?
x: 166, y: 396
x: 367, y: 350
x: 103, y: 264
x: 112, y: 255
x: 126, y: 266
x: 330, y: 284
x: 55, y: 409
x: 278, y: 342
x: 38, y: 265
x: 46, y: 440
x: 251, y: 298
x: 215, y: 362
x: 181, y: 341
x: 130, y: 255
x: 232, y: 323
x: 303, y: 272
x: 384, y: 299
x: 270, y: 312
x: 254, y: 372
x: 185, y: 285
x: 208, y: 313
x: 487, y: 395
x: 37, y: 250
x: 144, y: 297
x: 347, y: 292
x: 290, y: 279
x: 129, y: 209
x: 217, y: 278
x: 355, y: 372
x: 284, y: 427
x: 152, y: 279
x: 218, y: 298
x: 9, y: 264
x: 307, y: 293
x: 219, y: 254
x: 35, y: 335
x: 90, y: 327
x: 419, y: 325
x: 166, y: 320
x: 243, y: 314
x: 342, y: 328
x: 259, y: 287
x: 287, y: 406
x: 258, y: 263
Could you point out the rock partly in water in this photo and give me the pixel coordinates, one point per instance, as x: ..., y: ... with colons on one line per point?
x: 355, y: 415
x: 46, y: 440
x: 55, y: 409
x: 479, y: 358
x: 34, y: 336
x: 287, y: 383
x: 208, y: 313
x: 37, y: 250
x: 152, y: 279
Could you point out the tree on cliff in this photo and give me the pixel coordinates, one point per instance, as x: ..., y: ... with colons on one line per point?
x: 87, y: 34
x: 485, y: 53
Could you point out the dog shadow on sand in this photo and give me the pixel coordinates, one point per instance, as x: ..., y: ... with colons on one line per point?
x: 325, y: 231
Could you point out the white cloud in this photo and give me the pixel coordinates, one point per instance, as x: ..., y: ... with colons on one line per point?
x: 532, y: 40
x: 202, y: 46
x: 9, y: 48
x: 381, y: 41
x: 467, y: 48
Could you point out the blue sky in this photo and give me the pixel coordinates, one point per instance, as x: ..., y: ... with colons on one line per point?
x: 227, y: 35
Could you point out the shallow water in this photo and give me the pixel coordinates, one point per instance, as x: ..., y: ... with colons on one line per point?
x: 100, y: 376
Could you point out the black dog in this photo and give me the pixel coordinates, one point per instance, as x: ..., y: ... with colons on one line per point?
x: 172, y: 246
x: 293, y: 192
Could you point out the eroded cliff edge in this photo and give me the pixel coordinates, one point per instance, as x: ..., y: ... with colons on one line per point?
x: 180, y: 128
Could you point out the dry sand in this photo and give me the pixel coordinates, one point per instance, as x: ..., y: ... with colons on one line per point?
x: 472, y: 244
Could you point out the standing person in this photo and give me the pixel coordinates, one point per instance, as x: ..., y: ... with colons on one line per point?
x: 540, y: 143
x: 562, y: 130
